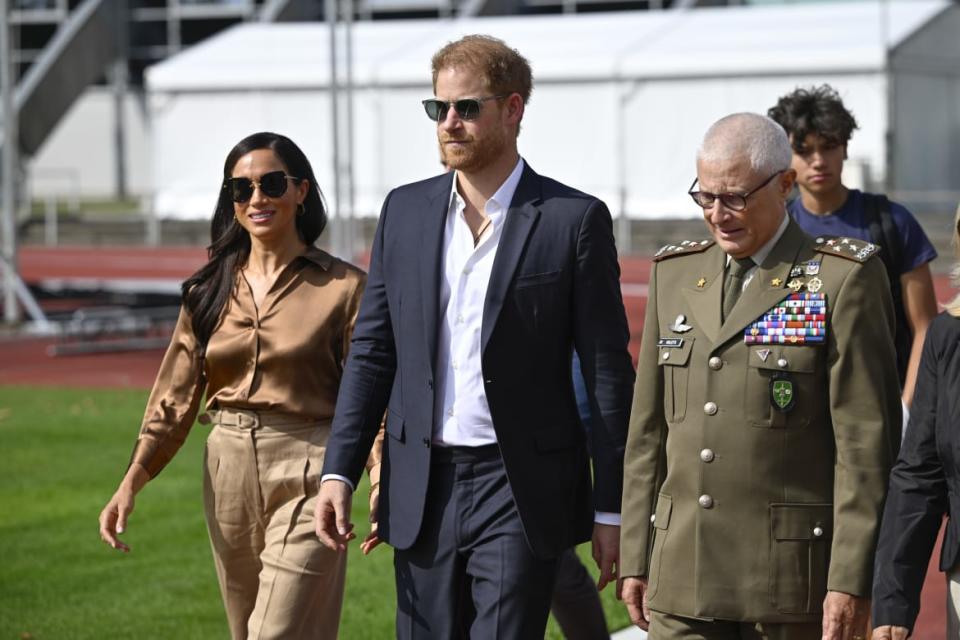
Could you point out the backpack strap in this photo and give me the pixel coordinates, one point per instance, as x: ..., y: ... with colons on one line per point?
x: 883, y: 231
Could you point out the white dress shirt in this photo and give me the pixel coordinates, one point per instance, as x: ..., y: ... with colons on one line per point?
x: 461, y: 413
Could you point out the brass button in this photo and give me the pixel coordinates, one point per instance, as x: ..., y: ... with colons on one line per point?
x: 666, y: 355
x: 707, y: 455
x: 653, y: 518
x: 710, y: 408
x: 782, y: 363
x: 817, y: 532
x: 705, y: 501
x: 715, y: 363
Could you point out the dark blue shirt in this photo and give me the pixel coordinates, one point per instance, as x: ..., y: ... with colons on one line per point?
x: 849, y: 221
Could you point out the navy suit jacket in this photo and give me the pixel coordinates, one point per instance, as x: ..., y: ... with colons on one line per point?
x: 554, y: 286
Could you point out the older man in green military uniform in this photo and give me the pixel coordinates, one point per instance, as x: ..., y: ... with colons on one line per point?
x: 765, y: 417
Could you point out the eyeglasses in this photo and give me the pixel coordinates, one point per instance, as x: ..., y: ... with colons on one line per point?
x: 272, y: 185
x: 732, y: 201
x: 466, y: 108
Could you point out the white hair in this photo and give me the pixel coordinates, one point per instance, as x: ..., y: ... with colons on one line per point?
x: 757, y: 137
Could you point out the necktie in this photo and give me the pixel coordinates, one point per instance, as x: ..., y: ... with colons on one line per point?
x: 733, y: 284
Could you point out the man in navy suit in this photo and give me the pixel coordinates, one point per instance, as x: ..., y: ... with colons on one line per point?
x: 482, y: 281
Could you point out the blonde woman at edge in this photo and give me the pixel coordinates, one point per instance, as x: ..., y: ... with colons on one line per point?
x: 924, y: 485
x: 263, y: 333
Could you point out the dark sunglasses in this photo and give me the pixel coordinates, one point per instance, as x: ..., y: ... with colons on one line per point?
x: 732, y: 201
x: 466, y: 108
x: 272, y: 185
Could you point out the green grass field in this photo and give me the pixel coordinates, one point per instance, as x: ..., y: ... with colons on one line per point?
x: 63, y: 452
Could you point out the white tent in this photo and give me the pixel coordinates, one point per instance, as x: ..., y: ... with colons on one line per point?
x: 620, y: 101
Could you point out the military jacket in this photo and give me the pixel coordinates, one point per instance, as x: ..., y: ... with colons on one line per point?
x: 759, y: 447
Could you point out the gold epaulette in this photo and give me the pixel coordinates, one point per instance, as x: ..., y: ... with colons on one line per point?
x: 849, y: 248
x: 681, y: 248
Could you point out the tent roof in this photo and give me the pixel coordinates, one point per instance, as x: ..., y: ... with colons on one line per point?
x: 841, y: 37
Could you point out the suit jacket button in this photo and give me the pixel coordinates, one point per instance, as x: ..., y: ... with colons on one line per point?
x: 705, y: 501
x: 426, y: 442
x: 817, y: 532
x: 707, y: 455
x: 710, y: 408
x: 715, y: 363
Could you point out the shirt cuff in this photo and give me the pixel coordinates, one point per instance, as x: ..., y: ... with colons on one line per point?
x: 606, y: 517
x: 335, y: 476
x: 906, y: 419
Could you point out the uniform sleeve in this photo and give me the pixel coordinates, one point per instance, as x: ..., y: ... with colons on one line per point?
x: 174, y: 400
x: 645, y: 459
x: 915, y: 504
x: 917, y: 248
x: 865, y: 412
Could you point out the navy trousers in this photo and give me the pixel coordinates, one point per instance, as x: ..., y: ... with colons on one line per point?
x: 471, y: 574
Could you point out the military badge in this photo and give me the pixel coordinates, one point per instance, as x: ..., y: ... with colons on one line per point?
x: 679, y: 325
x: 795, y: 284
x: 800, y: 318
x: 814, y: 284
x: 776, y: 282
x: 796, y: 271
x: 812, y: 268
x: 783, y: 394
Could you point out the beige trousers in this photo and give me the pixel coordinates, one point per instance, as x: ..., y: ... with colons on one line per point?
x: 260, y: 485
x: 953, y: 603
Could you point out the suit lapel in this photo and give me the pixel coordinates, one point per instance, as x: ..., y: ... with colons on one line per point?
x: 705, y: 301
x: 520, y: 219
x: 764, y: 290
x: 433, y: 223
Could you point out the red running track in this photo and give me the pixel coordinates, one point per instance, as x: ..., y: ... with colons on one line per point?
x: 25, y: 361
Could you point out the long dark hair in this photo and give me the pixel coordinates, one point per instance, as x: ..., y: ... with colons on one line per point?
x: 207, y: 291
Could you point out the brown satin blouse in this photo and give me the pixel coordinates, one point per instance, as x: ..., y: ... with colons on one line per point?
x: 287, y: 356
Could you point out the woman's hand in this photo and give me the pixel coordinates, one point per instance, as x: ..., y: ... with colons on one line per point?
x: 113, y: 518
x: 371, y: 541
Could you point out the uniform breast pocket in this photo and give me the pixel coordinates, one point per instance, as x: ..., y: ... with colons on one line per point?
x: 780, y: 385
x: 674, y: 361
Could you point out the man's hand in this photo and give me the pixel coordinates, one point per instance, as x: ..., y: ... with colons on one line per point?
x: 331, y: 516
x: 634, y: 592
x: 889, y: 632
x: 606, y: 552
x: 845, y: 616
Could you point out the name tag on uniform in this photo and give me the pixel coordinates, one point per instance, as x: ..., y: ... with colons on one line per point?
x: 673, y: 343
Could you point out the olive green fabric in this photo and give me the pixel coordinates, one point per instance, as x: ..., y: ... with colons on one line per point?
x: 758, y: 512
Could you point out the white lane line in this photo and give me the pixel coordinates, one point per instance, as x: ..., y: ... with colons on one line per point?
x: 630, y: 633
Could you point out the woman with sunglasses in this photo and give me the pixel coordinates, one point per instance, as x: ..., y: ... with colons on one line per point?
x: 262, y: 334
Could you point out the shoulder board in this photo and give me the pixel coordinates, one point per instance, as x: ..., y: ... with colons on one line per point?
x: 849, y: 248
x: 681, y: 248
